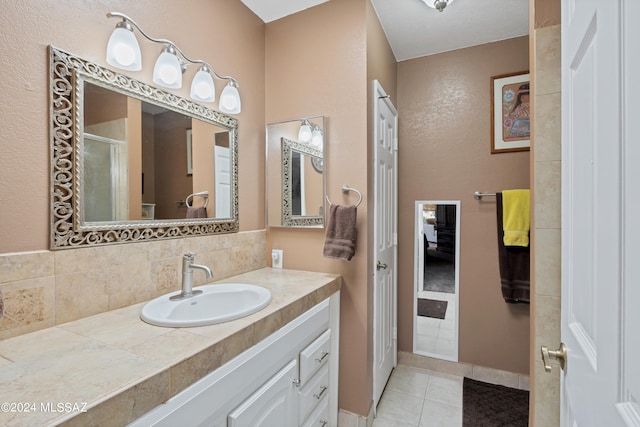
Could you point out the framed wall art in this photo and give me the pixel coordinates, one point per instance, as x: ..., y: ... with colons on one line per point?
x: 510, y: 116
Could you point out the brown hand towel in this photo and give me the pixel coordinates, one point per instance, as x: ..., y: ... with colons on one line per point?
x: 340, y: 242
x: 200, y: 212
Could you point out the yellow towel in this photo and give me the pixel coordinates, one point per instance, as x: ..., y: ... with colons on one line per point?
x: 515, y: 217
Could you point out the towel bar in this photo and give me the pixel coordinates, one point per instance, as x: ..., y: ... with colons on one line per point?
x: 346, y: 189
x: 478, y: 195
x: 204, y: 194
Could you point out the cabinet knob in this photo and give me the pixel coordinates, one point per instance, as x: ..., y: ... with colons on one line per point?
x: 296, y: 382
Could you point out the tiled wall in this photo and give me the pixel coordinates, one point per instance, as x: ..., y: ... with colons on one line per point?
x: 47, y: 288
x: 546, y: 225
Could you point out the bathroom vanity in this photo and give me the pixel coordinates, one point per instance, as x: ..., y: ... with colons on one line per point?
x: 113, y: 369
x: 287, y: 379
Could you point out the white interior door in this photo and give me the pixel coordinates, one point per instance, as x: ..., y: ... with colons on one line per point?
x: 385, y: 240
x: 600, y: 202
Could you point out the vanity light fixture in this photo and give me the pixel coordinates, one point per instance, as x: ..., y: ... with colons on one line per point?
x: 168, y: 70
x: 230, y: 98
x: 202, y: 86
x: 437, y: 4
x: 316, y: 137
x: 123, y: 51
x: 304, y: 133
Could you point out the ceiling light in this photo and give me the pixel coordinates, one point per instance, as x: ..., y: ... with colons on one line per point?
x: 437, y: 4
x: 123, y: 52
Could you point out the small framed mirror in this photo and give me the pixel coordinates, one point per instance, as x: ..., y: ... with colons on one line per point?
x: 437, y: 278
x: 295, y: 190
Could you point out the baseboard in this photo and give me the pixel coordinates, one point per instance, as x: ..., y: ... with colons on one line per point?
x: 349, y: 419
x: 480, y: 373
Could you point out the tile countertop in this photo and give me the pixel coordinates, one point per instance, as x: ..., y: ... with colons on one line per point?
x: 111, y: 368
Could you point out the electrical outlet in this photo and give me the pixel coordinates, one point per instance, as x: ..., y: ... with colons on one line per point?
x: 276, y: 258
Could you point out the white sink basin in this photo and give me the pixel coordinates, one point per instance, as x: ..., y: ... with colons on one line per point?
x: 217, y: 303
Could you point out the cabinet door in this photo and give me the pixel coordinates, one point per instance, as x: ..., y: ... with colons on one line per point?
x: 273, y: 404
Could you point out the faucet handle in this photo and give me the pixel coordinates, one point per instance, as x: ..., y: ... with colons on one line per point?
x: 189, y: 256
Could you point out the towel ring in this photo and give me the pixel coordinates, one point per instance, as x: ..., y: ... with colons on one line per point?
x: 203, y: 194
x: 345, y: 190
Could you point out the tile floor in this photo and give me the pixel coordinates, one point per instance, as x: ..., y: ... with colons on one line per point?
x: 435, y: 336
x: 416, y: 397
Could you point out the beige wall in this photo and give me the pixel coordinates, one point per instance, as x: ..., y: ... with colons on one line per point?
x: 311, y: 71
x: 172, y: 181
x: 134, y: 138
x: 148, y: 158
x: 546, y: 165
x: 203, y: 157
x: 82, y: 28
x: 444, y: 105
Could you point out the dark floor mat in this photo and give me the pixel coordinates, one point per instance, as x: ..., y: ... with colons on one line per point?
x: 432, y: 308
x: 490, y: 405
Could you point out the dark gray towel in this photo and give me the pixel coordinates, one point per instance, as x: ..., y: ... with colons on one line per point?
x: 341, y: 236
x: 200, y: 212
x: 514, y: 265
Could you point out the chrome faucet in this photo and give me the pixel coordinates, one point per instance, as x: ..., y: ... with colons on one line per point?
x: 187, y: 277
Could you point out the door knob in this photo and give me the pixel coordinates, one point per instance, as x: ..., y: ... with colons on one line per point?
x: 560, y: 355
x: 381, y: 266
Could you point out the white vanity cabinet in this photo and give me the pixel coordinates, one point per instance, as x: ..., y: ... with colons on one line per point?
x: 288, y: 379
x: 274, y: 404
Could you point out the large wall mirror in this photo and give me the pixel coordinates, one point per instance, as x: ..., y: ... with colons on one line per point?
x: 134, y: 163
x: 295, y: 190
x: 437, y: 279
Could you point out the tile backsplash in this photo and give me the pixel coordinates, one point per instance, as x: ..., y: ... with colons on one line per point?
x: 46, y: 288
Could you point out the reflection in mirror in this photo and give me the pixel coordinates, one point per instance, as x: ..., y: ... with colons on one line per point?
x: 141, y: 160
x: 295, y: 189
x: 126, y: 156
x: 302, y: 183
x: 436, y: 308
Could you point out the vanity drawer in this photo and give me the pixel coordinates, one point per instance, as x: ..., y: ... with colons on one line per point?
x: 320, y: 416
x: 314, y: 392
x: 314, y: 356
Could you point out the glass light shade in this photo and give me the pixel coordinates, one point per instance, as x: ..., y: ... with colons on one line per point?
x: 202, y: 86
x: 432, y: 3
x: 304, y: 133
x: 123, y: 50
x: 230, y: 99
x: 316, y: 137
x: 168, y: 72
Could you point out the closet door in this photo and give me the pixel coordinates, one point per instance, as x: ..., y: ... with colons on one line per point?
x: 273, y: 404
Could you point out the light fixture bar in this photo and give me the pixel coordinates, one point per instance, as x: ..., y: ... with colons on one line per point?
x: 169, y: 44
